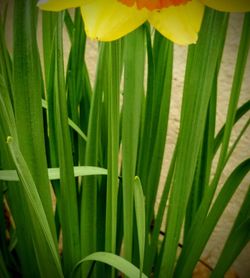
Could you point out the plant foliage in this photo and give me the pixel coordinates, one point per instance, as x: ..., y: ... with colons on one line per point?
x: 81, y: 165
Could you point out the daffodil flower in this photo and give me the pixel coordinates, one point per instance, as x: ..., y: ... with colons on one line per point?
x: 177, y: 20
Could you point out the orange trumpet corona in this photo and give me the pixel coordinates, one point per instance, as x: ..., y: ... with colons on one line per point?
x: 153, y: 4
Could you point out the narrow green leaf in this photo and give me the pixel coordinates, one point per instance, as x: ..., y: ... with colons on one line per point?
x: 48, y: 34
x: 235, y: 143
x: 3, y: 271
x: 5, y: 59
x: 5, y: 257
x: 152, y: 246
x: 69, y: 24
x: 62, y: 144
x: 236, y: 89
x: 70, y: 122
x: 16, y: 197
x: 49, y: 22
x: 205, y: 160
x: 145, y: 140
x: 231, y: 113
x: 241, y: 111
x: 140, y: 218
x: 7, y: 113
x: 27, y: 78
x: 115, y: 261
x: 197, y: 90
x: 237, y: 240
x: 225, y: 150
x: 79, y: 90
x: 92, y: 220
x: 54, y: 173
x: 192, y: 249
x: 48, y: 262
x: 134, y: 50
x: 156, y: 123
x: 113, y: 98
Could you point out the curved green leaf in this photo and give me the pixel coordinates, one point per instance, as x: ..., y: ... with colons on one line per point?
x: 42, y: 237
x: 241, y: 111
x: 54, y: 173
x: 70, y: 122
x: 113, y: 260
x: 194, y: 246
x: 237, y: 240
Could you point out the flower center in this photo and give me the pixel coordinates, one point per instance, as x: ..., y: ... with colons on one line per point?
x: 153, y: 4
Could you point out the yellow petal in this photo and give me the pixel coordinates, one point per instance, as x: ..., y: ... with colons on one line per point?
x: 58, y: 5
x: 228, y: 5
x: 110, y: 20
x: 179, y: 24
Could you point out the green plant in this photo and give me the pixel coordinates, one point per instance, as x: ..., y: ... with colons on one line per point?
x: 99, y: 151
